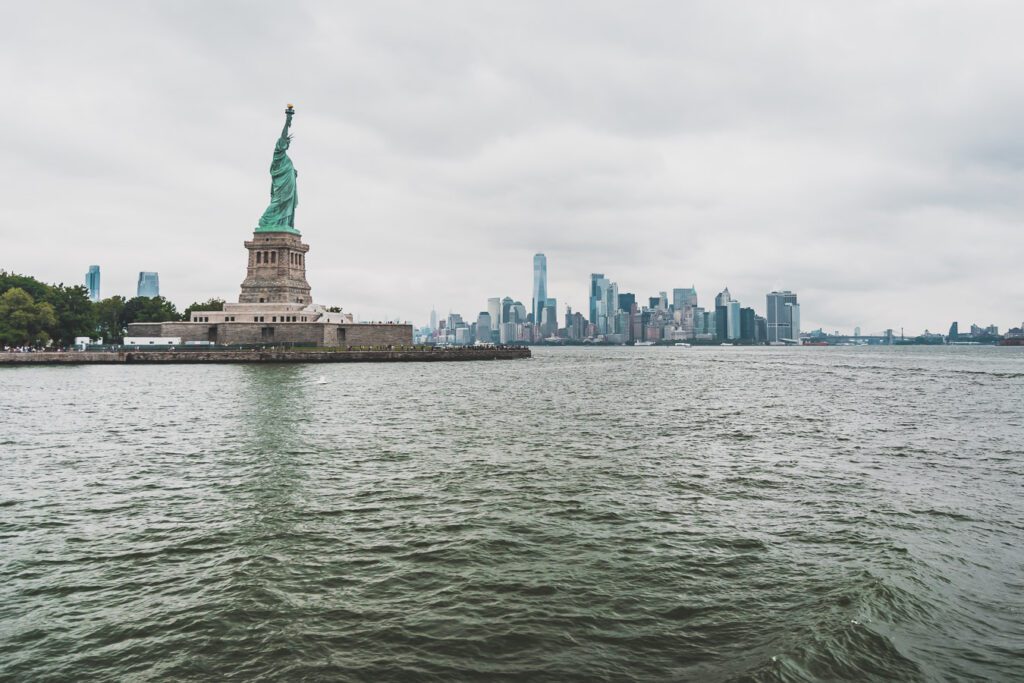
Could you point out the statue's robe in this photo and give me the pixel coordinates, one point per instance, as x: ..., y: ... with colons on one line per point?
x: 284, y: 195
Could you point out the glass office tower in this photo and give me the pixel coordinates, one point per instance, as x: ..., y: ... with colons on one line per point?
x: 149, y: 284
x: 540, y: 285
x: 780, y: 316
x: 92, y: 283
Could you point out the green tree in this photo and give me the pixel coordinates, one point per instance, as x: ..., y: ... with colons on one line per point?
x: 110, y: 319
x: 208, y: 305
x: 23, y: 321
x: 145, y: 309
x: 76, y: 316
x: 39, y: 291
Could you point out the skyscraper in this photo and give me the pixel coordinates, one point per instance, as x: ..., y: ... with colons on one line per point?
x: 92, y: 283
x: 149, y: 284
x: 681, y: 298
x: 433, y: 319
x: 723, y: 298
x: 684, y: 303
x: 780, y: 316
x: 597, y: 282
x: 494, y: 308
x: 517, y: 312
x: 549, y: 317
x: 540, y: 285
x: 483, y: 328
x: 734, y: 326
x: 794, y: 320
x: 722, y: 315
x: 748, y: 324
x: 611, y: 298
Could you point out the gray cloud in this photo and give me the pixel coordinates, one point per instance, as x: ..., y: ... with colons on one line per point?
x: 867, y: 157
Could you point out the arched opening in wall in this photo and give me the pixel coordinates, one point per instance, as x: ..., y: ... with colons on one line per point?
x: 273, y: 257
x: 257, y: 257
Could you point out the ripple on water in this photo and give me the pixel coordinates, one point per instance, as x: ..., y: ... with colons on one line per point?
x: 590, y: 514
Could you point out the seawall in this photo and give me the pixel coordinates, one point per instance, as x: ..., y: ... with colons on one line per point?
x: 261, y: 356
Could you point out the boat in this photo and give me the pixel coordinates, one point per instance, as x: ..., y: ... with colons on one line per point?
x: 726, y: 344
x: 643, y: 343
x: 683, y: 345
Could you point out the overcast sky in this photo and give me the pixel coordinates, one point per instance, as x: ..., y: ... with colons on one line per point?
x: 869, y: 156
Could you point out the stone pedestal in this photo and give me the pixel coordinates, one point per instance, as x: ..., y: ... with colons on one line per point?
x: 277, y: 270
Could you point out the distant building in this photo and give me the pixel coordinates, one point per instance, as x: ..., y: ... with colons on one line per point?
x: 506, y: 310
x: 682, y: 298
x: 794, y: 320
x: 517, y: 312
x: 733, y: 326
x: 597, y: 285
x: 710, y: 325
x: 723, y: 298
x: 540, y: 286
x: 760, y: 329
x: 149, y: 284
x: 483, y: 328
x: 433, y: 320
x: 549, y: 317
x: 575, y: 325
x: 780, y: 316
x: 92, y: 283
x: 722, y: 315
x: 954, y: 331
x: 494, y: 309
x: 748, y: 325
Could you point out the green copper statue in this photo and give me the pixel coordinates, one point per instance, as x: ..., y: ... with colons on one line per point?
x: 284, y: 195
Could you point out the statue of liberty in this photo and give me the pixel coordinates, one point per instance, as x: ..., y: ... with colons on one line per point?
x: 284, y: 196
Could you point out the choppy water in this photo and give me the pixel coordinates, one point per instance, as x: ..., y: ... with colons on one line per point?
x: 591, y: 514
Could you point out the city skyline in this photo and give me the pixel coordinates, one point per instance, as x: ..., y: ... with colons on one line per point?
x: 668, y: 148
x: 147, y: 284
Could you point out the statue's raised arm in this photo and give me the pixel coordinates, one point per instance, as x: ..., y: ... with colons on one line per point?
x: 284, y: 197
x: 288, y: 113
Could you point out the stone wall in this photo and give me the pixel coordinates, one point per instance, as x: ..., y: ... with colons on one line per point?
x: 187, y: 331
x: 410, y: 355
x: 308, y: 334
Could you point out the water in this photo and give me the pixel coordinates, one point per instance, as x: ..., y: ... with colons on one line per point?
x: 615, y: 514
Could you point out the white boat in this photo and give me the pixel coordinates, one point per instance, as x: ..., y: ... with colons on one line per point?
x: 643, y: 343
x: 684, y: 345
x: 322, y: 380
x: 726, y: 344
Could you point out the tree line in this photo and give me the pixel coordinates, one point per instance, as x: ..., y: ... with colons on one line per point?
x: 37, y: 314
